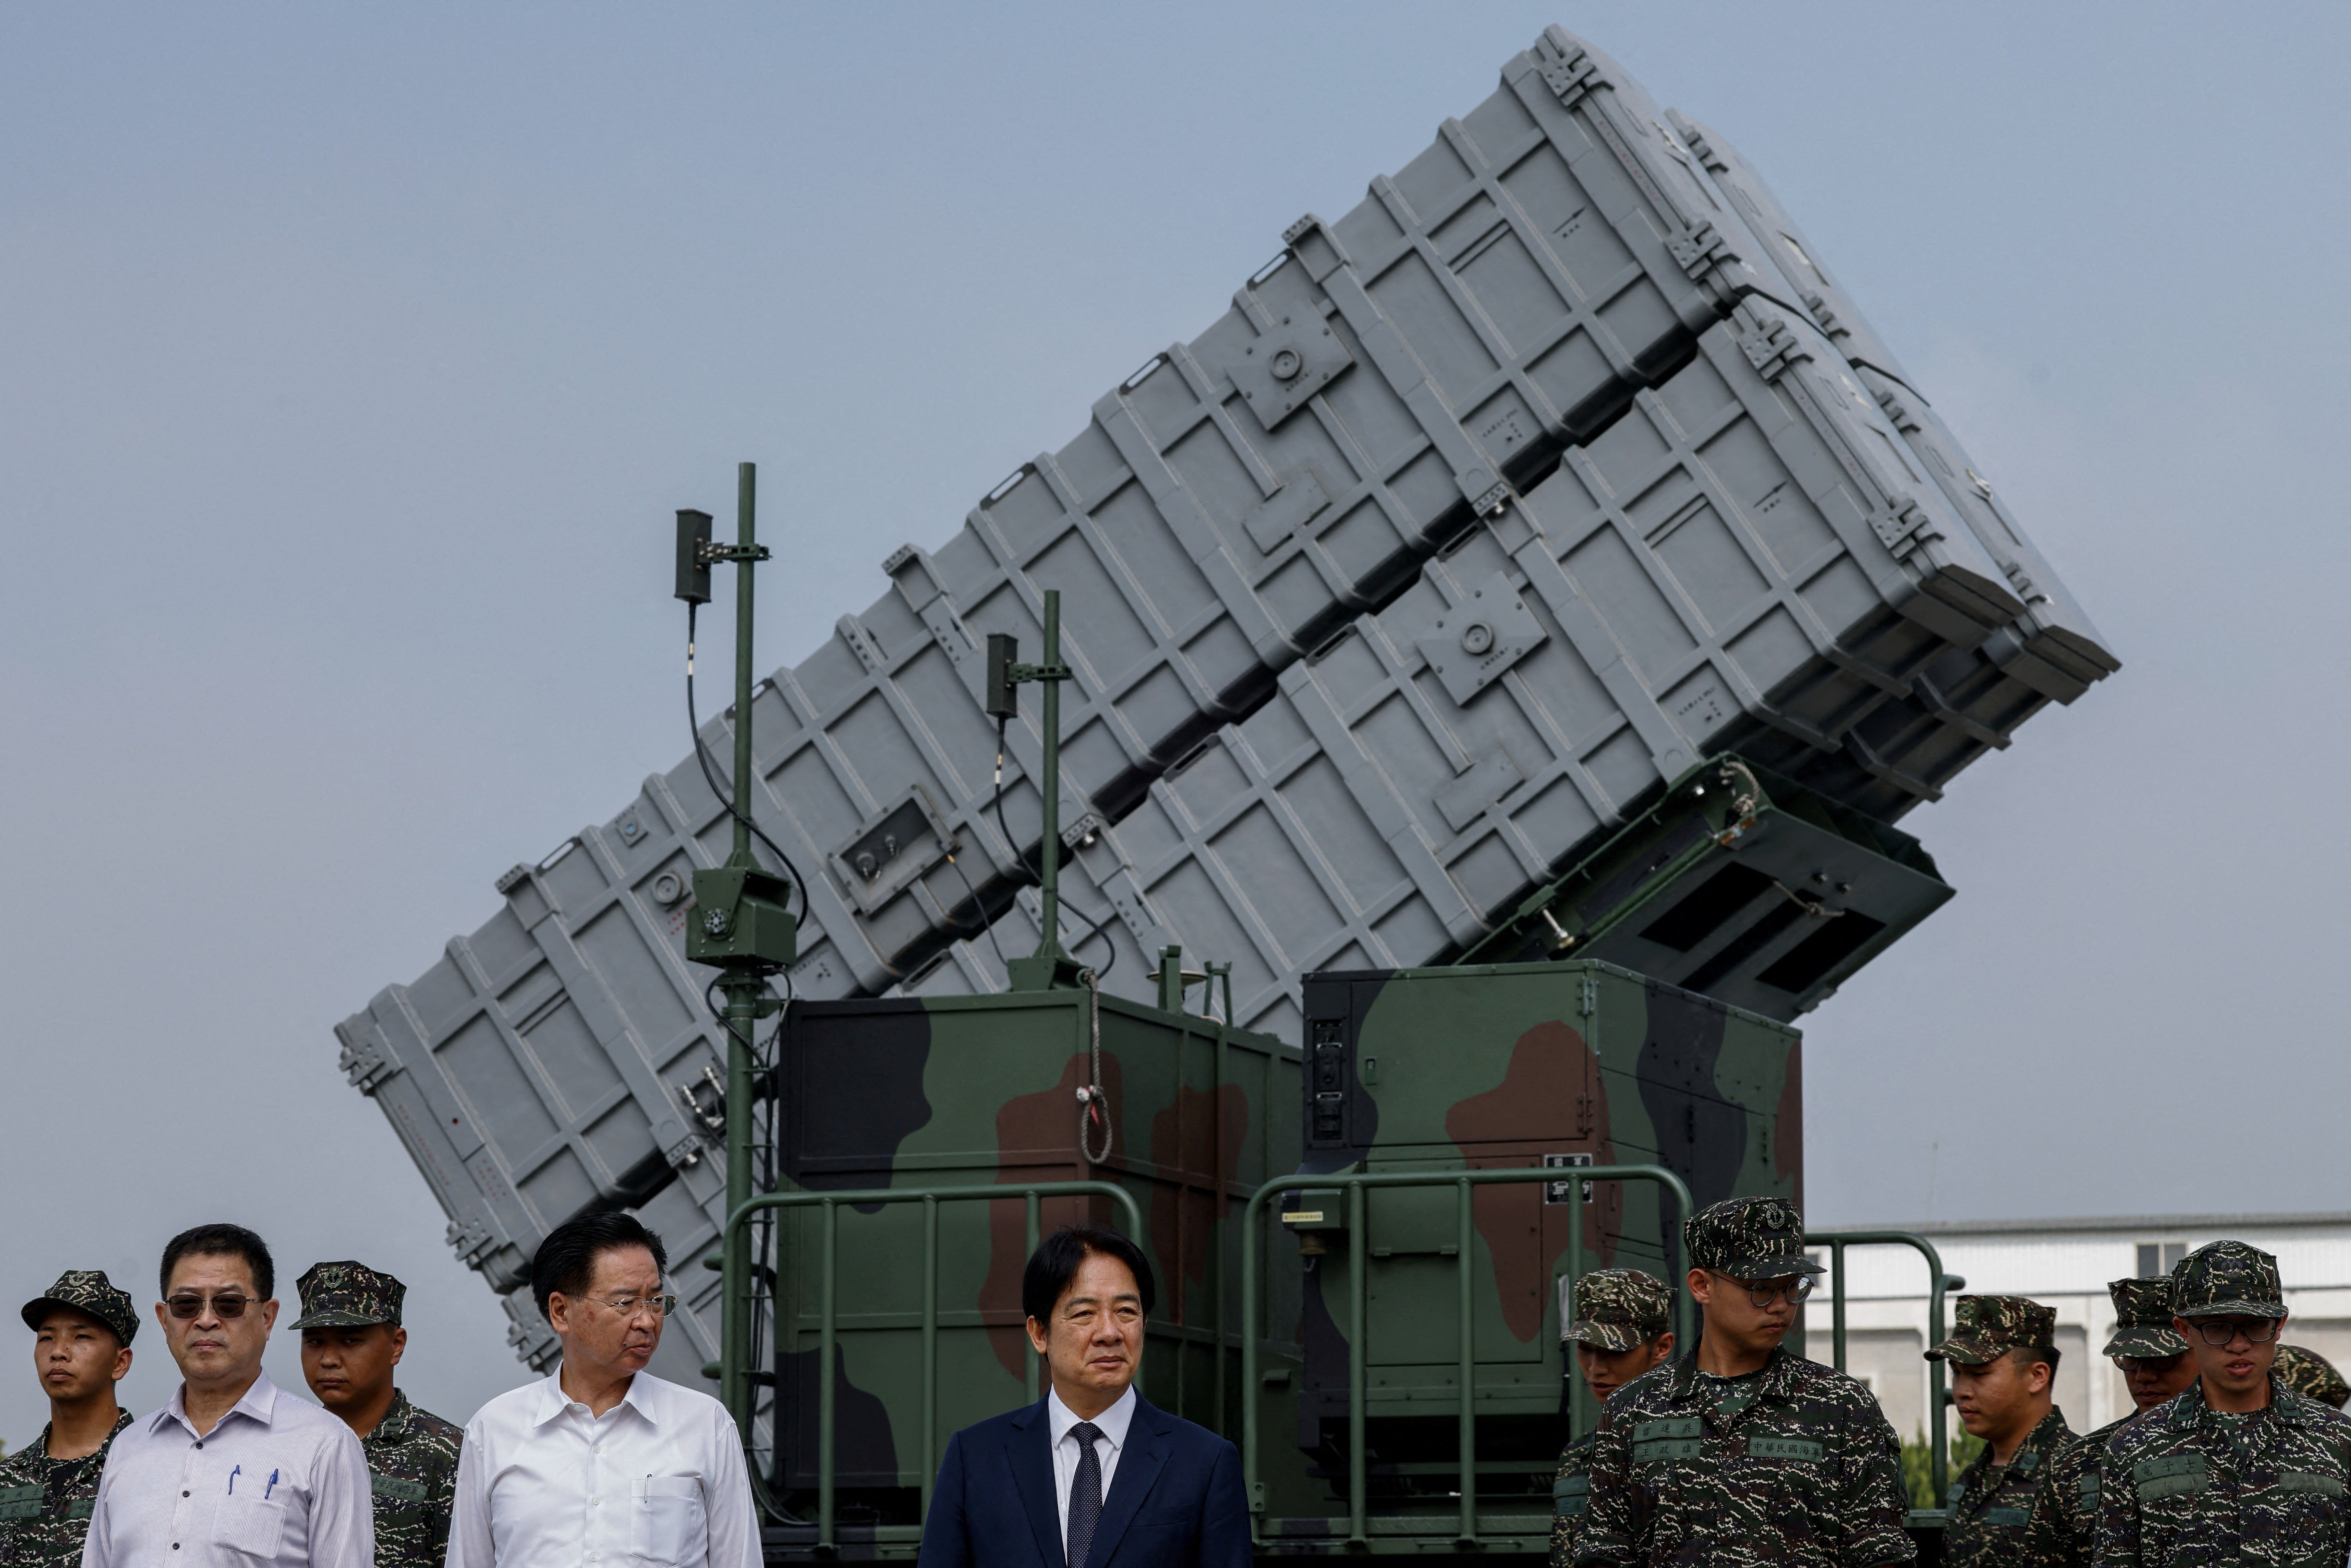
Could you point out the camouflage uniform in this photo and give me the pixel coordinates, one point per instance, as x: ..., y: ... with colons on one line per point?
x: 45, y: 1503
x: 1616, y: 1309
x: 1791, y: 1465
x: 2312, y: 1376
x: 2065, y: 1524
x: 411, y: 1454
x: 1992, y: 1503
x: 2188, y: 1486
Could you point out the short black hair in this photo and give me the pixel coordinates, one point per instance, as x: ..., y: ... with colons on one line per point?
x: 220, y: 1241
x: 2024, y: 1355
x: 566, y: 1261
x: 1056, y: 1260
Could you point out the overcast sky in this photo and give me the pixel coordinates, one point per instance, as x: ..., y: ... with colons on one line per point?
x: 352, y: 360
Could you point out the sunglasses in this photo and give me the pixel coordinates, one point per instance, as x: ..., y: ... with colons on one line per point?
x: 230, y: 1304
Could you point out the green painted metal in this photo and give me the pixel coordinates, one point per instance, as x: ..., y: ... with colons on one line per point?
x: 1360, y: 1535
x: 829, y: 1205
x: 1937, y: 1282
x: 1050, y: 967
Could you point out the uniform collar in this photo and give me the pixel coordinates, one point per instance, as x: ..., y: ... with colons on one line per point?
x: 40, y: 1444
x: 396, y: 1426
x: 2284, y: 1405
x: 1771, y: 1381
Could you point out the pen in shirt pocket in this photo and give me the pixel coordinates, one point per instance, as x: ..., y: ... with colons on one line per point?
x: 270, y: 1488
x: 232, y: 1478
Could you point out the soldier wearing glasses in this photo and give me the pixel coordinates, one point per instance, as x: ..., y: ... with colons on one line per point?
x: 2156, y: 1365
x: 351, y: 1341
x: 602, y: 1463
x: 1740, y: 1452
x: 2002, y: 1364
x: 2240, y: 1468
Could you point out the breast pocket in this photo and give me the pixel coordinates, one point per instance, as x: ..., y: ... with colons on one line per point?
x: 250, y: 1529
x: 666, y: 1525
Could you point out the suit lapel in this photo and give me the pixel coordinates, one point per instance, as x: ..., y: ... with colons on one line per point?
x: 1028, y: 1448
x: 1138, y: 1468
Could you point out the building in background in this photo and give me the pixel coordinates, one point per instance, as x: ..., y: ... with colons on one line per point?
x: 2066, y: 1264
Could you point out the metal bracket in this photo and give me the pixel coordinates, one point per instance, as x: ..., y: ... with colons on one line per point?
x: 1295, y: 359
x: 705, y: 1099
x: 1472, y: 644
x: 1698, y: 251
x: 471, y: 1242
x: 1769, y: 346
x: 708, y: 553
x: 1570, y: 78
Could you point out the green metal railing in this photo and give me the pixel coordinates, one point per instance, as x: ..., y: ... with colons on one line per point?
x: 732, y: 1371
x: 1937, y: 1282
x: 1355, y: 1184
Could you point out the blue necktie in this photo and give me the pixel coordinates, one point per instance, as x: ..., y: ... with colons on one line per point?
x: 1086, y: 1493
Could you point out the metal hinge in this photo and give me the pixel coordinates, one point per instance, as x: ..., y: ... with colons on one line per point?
x: 1769, y: 346
x: 1570, y: 78
x: 471, y: 1242
x: 1904, y: 525
x: 1587, y: 997
x: 1697, y: 251
x: 1897, y: 410
x: 364, y: 1063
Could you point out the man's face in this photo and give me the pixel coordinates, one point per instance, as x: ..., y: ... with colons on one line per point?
x: 211, y: 1347
x: 77, y: 1357
x: 2155, y: 1379
x: 1607, y: 1371
x: 1995, y: 1397
x: 595, y: 1334
x: 1095, y: 1338
x: 1733, y: 1313
x: 350, y: 1368
x: 2238, y: 1369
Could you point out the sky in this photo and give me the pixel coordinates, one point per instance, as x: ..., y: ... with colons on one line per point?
x: 353, y: 359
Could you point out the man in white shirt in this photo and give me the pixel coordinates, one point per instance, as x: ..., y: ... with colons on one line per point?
x: 1093, y: 1475
x: 234, y: 1471
x: 602, y: 1463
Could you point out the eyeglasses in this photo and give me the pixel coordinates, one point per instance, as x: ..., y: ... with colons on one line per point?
x: 2148, y: 1363
x: 230, y: 1304
x: 1763, y: 1292
x: 2221, y: 1330
x: 629, y: 1306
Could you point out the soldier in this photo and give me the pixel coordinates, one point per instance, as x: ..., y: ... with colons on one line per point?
x: 2002, y: 1364
x: 351, y: 1341
x: 1619, y: 1330
x: 2240, y: 1468
x: 1740, y: 1453
x: 2312, y: 1376
x: 82, y: 1329
x: 2156, y: 1366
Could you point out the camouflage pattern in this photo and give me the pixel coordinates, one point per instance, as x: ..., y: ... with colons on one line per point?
x: 1571, y: 1497
x: 1991, y: 1504
x: 1575, y: 1057
x: 1796, y: 1465
x: 2143, y: 1319
x: 413, y: 1467
x: 2063, y: 1526
x: 88, y: 1292
x: 1617, y: 1310
x: 348, y: 1295
x: 45, y: 1503
x: 2312, y: 1376
x: 1984, y: 1328
x: 2226, y: 1279
x: 2186, y: 1487
x: 1749, y: 1238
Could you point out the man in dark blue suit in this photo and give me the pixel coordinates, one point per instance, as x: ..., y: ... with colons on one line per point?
x: 1092, y: 1474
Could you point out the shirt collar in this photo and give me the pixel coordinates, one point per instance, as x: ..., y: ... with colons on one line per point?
x: 260, y: 1404
x: 394, y: 1428
x: 1113, y: 1422
x: 553, y: 1402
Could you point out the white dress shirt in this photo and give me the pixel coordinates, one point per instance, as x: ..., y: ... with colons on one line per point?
x: 657, y: 1479
x: 1113, y: 1422
x: 276, y: 1480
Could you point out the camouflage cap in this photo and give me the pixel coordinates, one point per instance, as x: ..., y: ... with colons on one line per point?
x: 1985, y: 1328
x: 1749, y: 1238
x: 87, y: 1291
x: 2308, y: 1373
x: 1619, y: 1309
x: 348, y: 1295
x: 2226, y: 1279
x: 2143, y: 1319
